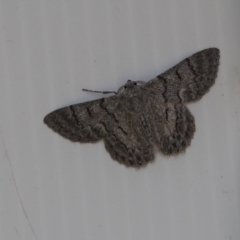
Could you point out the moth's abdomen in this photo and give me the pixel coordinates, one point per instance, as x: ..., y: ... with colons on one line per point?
x: 145, y: 127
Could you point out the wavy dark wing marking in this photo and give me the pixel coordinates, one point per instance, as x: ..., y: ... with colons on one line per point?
x: 103, y: 118
x: 85, y: 122
x: 180, y: 132
x: 159, y: 118
x: 187, y: 81
x: 173, y: 126
x: 127, y: 145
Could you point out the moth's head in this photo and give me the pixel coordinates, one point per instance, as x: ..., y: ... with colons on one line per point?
x: 131, y: 87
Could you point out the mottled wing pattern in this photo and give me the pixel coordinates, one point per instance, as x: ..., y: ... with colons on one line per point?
x: 127, y: 143
x: 104, y: 118
x: 187, y: 81
x: 135, y: 120
x: 179, y: 133
x: 174, y: 126
x: 84, y: 122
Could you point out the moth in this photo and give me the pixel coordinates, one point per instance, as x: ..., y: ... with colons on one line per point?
x: 142, y: 115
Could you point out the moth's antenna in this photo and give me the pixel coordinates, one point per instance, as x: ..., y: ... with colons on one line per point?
x: 103, y: 92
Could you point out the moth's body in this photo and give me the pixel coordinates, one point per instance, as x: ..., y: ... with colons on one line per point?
x: 142, y: 115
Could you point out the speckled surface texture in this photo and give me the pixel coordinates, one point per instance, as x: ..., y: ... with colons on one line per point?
x: 51, y: 188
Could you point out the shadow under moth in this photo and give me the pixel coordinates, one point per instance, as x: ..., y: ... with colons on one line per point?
x: 142, y: 115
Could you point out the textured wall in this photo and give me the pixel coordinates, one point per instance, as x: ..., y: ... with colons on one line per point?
x: 51, y: 188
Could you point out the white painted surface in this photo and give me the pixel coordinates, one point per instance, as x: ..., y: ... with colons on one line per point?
x: 51, y: 188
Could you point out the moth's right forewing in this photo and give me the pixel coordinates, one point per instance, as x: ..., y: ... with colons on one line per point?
x: 189, y: 80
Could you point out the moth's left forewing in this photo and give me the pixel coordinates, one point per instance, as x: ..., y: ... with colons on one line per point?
x: 84, y: 122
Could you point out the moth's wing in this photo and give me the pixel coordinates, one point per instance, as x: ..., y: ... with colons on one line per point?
x: 85, y: 122
x: 104, y: 118
x: 127, y: 145
x: 174, y: 127
x: 180, y: 132
x: 187, y: 81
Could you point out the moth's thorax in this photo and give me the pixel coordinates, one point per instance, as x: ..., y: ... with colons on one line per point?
x: 131, y: 95
x: 131, y: 88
